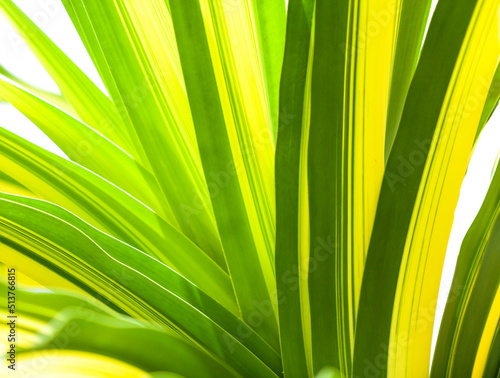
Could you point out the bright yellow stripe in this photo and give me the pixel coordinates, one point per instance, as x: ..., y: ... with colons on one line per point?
x: 304, y: 234
x: 12, y: 188
x: 75, y: 364
x: 374, y: 25
x: 420, y: 274
x: 487, y: 337
x: 239, y: 75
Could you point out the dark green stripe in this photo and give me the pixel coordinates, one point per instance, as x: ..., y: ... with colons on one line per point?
x: 292, y: 93
x: 327, y: 179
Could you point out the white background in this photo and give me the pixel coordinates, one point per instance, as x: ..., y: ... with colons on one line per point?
x: 52, y: 18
